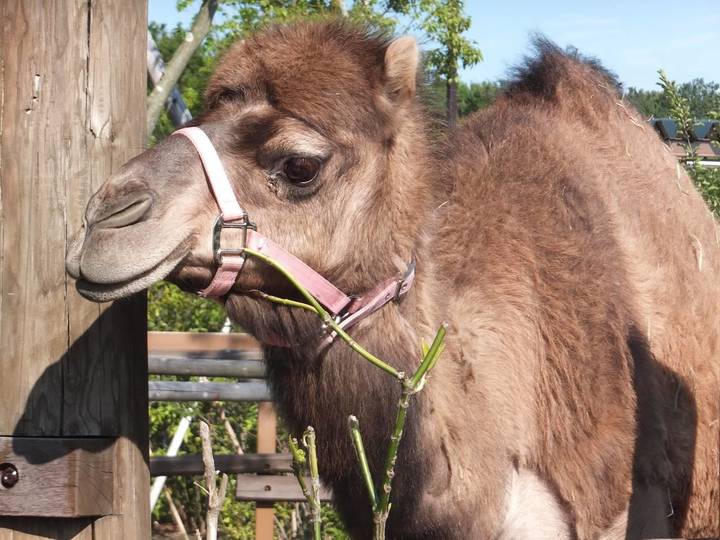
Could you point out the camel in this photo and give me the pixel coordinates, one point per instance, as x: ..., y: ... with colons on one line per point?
x: 571, y: 257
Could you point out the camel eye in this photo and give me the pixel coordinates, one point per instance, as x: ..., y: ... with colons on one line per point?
x: 301, y: 170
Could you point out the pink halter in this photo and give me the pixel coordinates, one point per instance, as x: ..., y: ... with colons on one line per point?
x: 349, y: 310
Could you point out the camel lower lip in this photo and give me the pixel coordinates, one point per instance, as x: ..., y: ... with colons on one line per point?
x: 107, y: 292
x: 104, y: 292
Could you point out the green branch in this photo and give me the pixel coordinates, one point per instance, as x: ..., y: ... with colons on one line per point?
x: 301, y: 458
x: 309, y: 442
x: 324, y: 315
x: 284, y: 301
x: 380, y: 505
x: 409, y: 387
x: 298, y: 465
x: 356, y: 437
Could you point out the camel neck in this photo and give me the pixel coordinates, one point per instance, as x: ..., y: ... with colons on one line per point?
x: 323, y: 390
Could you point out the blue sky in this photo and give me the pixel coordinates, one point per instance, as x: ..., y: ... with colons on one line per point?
x: 633, y: 38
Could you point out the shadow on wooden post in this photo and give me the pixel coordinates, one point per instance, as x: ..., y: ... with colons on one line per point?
x: 94, y: 400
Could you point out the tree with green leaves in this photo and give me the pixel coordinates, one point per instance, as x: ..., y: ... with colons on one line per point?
x: 703, y: 99
x: 649, y: 103
x: 240, y: 17
x: 475, y: 96
x: 706, y: 179
x: 445, y: 23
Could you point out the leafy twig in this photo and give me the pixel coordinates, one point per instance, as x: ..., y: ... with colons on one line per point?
x: 324, y: 315
x: 681, y: 113
x: 706, y: 180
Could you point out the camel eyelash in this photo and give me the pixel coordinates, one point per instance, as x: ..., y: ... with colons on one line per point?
x: 279, y: 184
x: 227, y: 95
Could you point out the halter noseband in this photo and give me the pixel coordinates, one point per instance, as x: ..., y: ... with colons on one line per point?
x: 349, y: 310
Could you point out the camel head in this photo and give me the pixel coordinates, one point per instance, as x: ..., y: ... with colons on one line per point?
x: 314, y: 125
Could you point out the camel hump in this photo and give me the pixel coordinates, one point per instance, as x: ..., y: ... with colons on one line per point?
x: 574, y: 82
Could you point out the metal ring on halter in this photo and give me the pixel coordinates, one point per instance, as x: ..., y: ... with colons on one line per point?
x: 243, y: 223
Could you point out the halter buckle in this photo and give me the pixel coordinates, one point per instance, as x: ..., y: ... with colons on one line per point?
x: 403, y: 283
x: 243, y: 222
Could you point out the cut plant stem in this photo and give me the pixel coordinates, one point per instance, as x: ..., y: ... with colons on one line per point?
x: 309, y: 440
x: 284, y: 301
x: 301, y: 458
x: 382, y: 510
x: 356, y: 437
x: 298, y: 466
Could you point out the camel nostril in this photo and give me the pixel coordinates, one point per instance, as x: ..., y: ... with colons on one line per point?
x: 129, y: 214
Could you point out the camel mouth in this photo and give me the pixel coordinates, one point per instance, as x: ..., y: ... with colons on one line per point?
x: 108, y: 292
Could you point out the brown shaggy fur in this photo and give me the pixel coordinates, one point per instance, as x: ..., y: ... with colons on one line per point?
x: 575, y: 263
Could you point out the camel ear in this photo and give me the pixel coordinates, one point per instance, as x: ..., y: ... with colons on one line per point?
x: 401, y: 62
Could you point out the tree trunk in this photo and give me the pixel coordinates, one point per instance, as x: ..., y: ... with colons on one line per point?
x: 452, y: 103
x: 175, y: 67
x: 175, y: 105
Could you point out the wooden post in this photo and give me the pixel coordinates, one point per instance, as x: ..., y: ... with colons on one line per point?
x: 73, y: 374
x: 267, y: 432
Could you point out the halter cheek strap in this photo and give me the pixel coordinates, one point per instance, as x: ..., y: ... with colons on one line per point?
x: 229, y: 264
x: 349, y: 310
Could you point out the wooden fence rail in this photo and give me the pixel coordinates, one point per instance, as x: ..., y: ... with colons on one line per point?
x: 208, y: 391
x: 264, y: 477
x: 211, y: 343
x: 265, y: 489
x: 206, y: 367
x: 191, y: 464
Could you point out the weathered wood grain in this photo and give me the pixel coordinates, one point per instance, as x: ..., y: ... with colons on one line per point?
x: 58, y: 477
x: 41, y: 132
x: 208, y: 391
x: 72, y: 89
x: 206, y: 367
